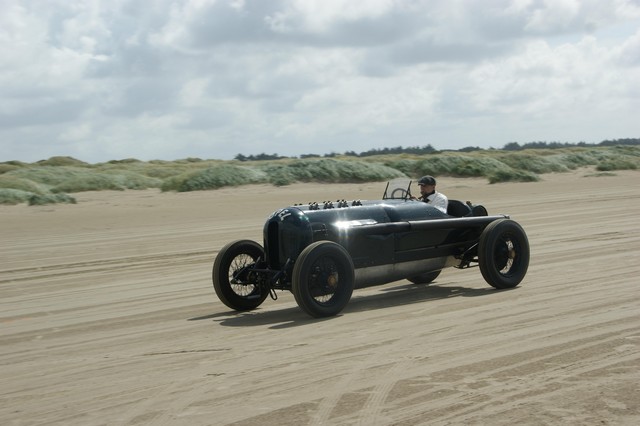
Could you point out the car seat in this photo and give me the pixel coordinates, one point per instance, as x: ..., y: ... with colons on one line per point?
x: 458, y: 209
x: 479, y: 211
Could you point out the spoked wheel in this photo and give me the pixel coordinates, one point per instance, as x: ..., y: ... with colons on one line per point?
x: 233, y: 281
x: 503, y: 253
x: 425, y: 278
x: 323, y: 279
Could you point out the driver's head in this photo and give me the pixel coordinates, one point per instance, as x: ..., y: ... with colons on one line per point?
x: 427, y: 184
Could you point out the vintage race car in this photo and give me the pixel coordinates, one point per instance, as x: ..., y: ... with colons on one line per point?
x: 322, y: 251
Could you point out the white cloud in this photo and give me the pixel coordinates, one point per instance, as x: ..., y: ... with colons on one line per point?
x: 628, y: 54
x: 101, y: 80
x: 321, y: 17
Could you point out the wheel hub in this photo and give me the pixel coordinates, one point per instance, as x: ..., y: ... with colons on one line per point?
x: 332, y: 281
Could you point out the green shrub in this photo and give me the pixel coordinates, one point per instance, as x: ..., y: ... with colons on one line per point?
x: 10, y: 196
x: 153, y: 170
x: 460, y: 166
x: 164, y: 172
x: 52, y: 175
x: 94, y: 182
x: 131, y: 180
x: 574, y: 160
x: 61, y: 161
x: 617, y: 164
x: 15, y: 163
x: 404, y: 165
x: 512, y: 176
x: 281, y: 176
x: 328, y: 171
x: 124, y: 161
x: 212, y: 178
x: 75, y: 179
x: 4, y: 168
x: 534, y: 163
x: 358, y: 171
x: 14, y: 182
x: 38, y: 200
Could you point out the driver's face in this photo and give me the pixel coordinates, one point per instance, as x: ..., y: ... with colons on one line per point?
x: 427, y: 189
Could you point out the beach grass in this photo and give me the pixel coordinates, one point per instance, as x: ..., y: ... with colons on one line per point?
x: 52, y: 180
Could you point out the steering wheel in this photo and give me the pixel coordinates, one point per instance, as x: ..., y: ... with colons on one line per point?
x: 399, y: 193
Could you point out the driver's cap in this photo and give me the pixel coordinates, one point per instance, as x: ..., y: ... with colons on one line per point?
x: 427, y: 180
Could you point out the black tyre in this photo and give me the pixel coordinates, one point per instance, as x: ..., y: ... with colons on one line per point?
x: 425, y: 278
x: 323, y: 279
x: 232, y: 283
x: 503, y: 253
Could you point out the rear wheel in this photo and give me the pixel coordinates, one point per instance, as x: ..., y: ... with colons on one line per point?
x: 503, y: 253
x: 232, y: 278
x: 323, y: 279
x: 425, y: 278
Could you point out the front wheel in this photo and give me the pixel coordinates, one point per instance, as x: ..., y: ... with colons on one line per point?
x: 233, y: 281
x: 503, y: 253
x: 323, y: 279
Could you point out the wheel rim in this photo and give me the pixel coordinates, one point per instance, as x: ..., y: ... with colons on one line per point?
x: 237, y: 267
x: 506, y: 255
x: 324, y: 280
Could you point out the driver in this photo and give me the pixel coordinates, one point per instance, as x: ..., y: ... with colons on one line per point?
x: 437, y: 199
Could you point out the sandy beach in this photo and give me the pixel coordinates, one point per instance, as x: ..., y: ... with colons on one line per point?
x: 108, y: 317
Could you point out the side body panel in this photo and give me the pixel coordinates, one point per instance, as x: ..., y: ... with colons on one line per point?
x: 387, y: 240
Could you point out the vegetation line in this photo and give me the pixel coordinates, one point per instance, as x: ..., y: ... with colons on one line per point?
x: 51, y: 181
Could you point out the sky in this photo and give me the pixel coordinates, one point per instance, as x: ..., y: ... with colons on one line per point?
x: 102, y: 80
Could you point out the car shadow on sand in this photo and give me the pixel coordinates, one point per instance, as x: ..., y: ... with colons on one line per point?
x: 408, y: 294
x: 398, y: 295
